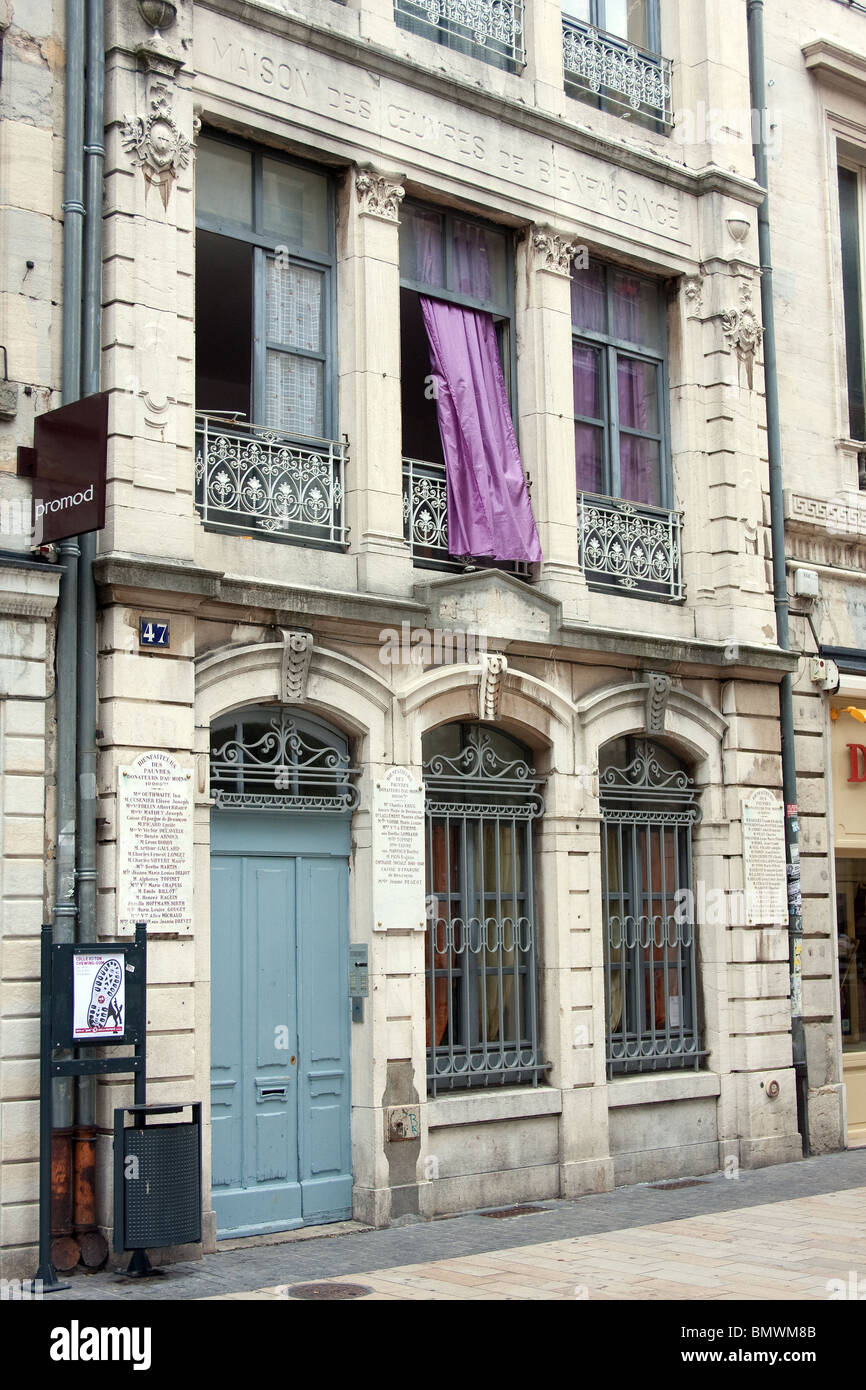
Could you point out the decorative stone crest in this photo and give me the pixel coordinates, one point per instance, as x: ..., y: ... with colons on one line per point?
x: 554, y: 252
x: 295, y: 666
x: 658, y: 693
x: 743, y: 332
x: 378, y: 196
x: 494, y: 669
x: 155, y: 142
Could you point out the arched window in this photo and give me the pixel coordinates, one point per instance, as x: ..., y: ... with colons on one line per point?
x: 648, y: 808
x: 276, y: 758
x: 482, y: 796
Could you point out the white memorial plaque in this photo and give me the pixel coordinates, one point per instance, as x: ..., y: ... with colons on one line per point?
x: 766, y: 878
x: 155, y: 844
x: 98, y: 995
x: 398, y: 852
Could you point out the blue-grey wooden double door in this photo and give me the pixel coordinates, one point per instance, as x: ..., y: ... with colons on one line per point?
x: 280, y: 1020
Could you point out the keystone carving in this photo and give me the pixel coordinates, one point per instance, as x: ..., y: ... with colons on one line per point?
x: 493, y: 672
x: 295, y: 666
x: 378, y: 196
x: 658, y: 692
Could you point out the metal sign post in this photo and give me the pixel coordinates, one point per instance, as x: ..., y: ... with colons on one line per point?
x: 91, y: 995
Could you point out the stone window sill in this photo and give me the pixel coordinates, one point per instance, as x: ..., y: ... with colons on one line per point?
x: 478, y: 1107
x: 649, y: 1090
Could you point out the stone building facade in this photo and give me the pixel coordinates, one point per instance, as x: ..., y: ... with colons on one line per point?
x: 582, y: 998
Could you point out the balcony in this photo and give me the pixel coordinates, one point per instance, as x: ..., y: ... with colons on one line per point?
x: 251, y: 479
x: 488, y: 29
x: 425, y: 524
x: 616, y: 73
x: 631, y: 548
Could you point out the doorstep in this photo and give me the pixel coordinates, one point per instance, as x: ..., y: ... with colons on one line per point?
x: 226, y: 1244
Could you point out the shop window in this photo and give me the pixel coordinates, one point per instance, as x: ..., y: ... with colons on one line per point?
x: 648, y: 808
x: 482, y: 802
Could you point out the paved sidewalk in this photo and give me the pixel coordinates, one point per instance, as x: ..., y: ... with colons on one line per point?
x: 774, y: 1233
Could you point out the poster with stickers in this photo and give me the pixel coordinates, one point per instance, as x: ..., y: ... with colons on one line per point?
x: 98, y: 995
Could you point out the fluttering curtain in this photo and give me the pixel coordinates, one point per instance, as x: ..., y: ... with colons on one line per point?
x: 488, y: 501
x: 489, y: 512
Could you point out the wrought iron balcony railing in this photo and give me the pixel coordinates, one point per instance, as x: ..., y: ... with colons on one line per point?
x: 252, y: 479
x: 489, y: 29
x: 601, y: 65
x: 425, y: 523
x: 631, y: 548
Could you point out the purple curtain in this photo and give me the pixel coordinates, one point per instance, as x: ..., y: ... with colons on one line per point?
x: 639, y: 472
x: 427, y: 227
x: 588, y: 439
x: 488, y: 502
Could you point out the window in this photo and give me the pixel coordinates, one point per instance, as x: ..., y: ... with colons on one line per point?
x: 482, y: 799
x: 265, y: 345
x: 852, y: 210
x: 612, y: 58
x: 620, y: 395
x: 621, y: 434
x: 491, y: 30
x: 648, y: 808
x: 457, y: 373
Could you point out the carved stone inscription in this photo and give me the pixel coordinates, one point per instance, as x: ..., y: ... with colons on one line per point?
x: 441, y: 130
x: 155, y: 844
x: 398, y: 852
x: 764, y: 860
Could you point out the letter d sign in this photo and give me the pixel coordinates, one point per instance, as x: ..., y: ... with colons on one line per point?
x: 857, y: 754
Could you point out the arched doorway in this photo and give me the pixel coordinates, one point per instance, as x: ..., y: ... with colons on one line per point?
x: 283, y: 794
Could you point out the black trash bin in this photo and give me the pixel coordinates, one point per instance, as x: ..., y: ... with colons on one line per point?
x: 157, y: 1181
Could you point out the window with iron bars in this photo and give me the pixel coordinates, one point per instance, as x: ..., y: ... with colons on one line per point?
x: 648, y: 808
x: 482, y: 799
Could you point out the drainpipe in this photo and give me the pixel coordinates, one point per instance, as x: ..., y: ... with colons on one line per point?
x: 780, y: 580
x: 94, y: 1249
x: 64, y: 1249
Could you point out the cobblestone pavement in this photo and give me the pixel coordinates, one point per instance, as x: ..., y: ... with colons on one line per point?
x: 778, y: 1233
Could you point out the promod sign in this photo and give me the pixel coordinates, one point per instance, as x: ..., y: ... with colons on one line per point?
x: 67, y: 464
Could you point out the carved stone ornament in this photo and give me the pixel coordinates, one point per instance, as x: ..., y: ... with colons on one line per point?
x: 154, y: 142
x: 378, y: 196
x: 295, y: 666
x: 554, y: 252
x: 493, y: 672
x: 693, y: 289
x: 744, y: 335
x: 658, y: 693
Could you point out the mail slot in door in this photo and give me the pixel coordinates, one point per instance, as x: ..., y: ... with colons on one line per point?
x: 272, y: 1090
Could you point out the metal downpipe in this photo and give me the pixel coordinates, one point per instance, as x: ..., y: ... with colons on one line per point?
x: 64, y: 1250
x: 94, y: 1249
x: 757, y: 75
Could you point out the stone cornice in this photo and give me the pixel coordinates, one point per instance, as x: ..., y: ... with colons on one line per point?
x: 834, y: 65
x: 183, y: 586
x: 384, y: 62
x: 28, y: 591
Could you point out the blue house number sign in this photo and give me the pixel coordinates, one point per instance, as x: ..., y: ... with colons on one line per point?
x: 151, y: 633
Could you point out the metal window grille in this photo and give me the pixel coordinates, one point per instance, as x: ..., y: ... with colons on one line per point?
x: 482, y: 959
x: 488, y: 29
x: 648, y: 808
x: 631, y: 548
x: 425, y: 523
x: 602, y: 65
x: 252, y: 478
x: 272, y: 758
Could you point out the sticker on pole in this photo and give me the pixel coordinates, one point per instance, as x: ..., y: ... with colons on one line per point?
x: 98, y: 995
